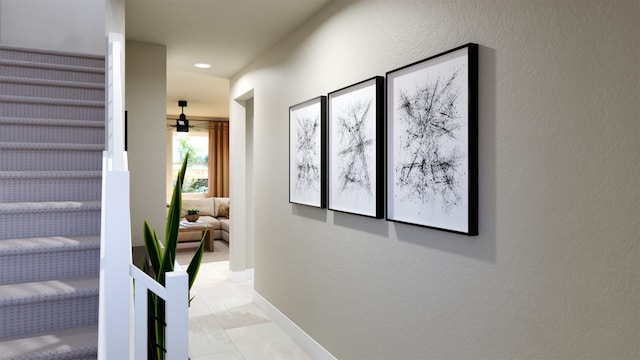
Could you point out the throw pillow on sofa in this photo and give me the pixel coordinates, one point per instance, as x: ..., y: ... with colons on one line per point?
x: 223, y: 210
x: 217, y: 201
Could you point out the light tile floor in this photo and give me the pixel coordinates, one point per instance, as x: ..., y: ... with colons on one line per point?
x: 224, y: 323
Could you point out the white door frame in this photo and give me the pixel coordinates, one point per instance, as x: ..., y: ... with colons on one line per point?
x: 241, y: 189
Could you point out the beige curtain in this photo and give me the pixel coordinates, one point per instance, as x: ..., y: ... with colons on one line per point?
x: 219, y: 159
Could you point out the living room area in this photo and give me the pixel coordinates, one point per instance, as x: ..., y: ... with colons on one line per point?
x: 205, y: 191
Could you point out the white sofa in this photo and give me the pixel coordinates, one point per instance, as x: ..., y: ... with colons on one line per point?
x: 212, y: 210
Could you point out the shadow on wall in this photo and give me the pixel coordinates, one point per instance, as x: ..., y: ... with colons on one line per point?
x: 308, y: 212
x: 483, y: 246
x: 362, y: 223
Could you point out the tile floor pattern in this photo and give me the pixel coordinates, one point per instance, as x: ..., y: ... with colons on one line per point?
x: 224, y: 323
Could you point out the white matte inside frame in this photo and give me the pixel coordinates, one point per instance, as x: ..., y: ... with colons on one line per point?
x: 305, y: 153
x: 352, y: 149
x: 413, y: 196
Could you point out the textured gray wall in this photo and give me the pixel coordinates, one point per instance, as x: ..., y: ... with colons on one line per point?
x: 554, y: 271
x: 146, y: 104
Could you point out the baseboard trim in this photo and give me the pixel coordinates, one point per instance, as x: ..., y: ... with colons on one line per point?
x: 303, y: 339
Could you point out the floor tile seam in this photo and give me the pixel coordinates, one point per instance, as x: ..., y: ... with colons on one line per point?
x: 249, y: 325
x: 229, y: 340
x: 227, y: 352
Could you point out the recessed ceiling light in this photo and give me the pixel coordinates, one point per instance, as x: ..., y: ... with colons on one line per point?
x: 202, y: 66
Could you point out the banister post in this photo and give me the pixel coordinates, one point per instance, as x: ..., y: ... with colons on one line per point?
x: 115, y: 257
x: 115, y: 308
x: 177, y: 315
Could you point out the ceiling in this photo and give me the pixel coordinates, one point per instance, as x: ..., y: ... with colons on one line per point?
x: 228, y: 34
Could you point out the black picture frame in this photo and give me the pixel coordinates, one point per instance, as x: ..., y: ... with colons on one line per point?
x: 307, y: 152
x: 126, y: 130
x: 432, y: 142
x: 355, y: 148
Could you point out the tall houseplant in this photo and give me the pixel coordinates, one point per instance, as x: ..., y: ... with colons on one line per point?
x: 162, y: 260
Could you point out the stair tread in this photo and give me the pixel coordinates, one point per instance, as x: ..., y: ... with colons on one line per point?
x: 46, y: 206
x: 49, y: 146
x: 51, y: 52
x: 61, y: 344
x: 50, y: 290
x: 49, y: 82
x: 51, y: 101
x: 50, y: 174
x: 48, y: 244
x: 50, y: 122
x: 50, y: 66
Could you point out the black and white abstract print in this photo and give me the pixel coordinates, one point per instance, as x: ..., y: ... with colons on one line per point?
x: 430, y: 163
x: 353, y: 159
x: 430, y: 144
x: 307, y: 149
x: 352, y: 127
x: 305, y: 154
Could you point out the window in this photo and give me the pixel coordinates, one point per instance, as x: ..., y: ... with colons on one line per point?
x: 197, y: 177
x: 208, y: 169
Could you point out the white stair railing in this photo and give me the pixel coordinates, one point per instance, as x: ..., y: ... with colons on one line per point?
x: 175, y: 295
x: 116, y: 268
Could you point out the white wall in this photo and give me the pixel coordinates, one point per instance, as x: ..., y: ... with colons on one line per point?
x: 62, y: 25
x: 555, y: 270
x: 114, y: 21
x: 146, y: 105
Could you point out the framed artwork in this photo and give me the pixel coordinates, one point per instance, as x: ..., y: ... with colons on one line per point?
x: 432, y: 142
x: 307, y: 147
x: 356, y: 148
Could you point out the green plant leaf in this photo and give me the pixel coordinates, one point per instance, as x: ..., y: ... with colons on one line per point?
x: 163, y: 261
x: 153, y: 247
x: 194, y: 264
x: 173, y: 224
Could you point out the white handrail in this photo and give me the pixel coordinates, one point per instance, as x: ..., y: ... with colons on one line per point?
x: 117, y: 271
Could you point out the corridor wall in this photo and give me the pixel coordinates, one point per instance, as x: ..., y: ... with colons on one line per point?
x: 554, y: 270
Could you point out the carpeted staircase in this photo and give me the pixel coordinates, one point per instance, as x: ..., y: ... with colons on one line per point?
x: 51, y: 140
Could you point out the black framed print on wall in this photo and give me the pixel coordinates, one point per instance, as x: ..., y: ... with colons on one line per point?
x: 432, y: 142
x: 356, y: 148
x: 307, y: 147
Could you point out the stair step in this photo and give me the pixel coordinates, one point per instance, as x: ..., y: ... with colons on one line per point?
x: 48, y: 258
x: 74, y: 343
x: 50, y: 175
x: 50, y: 122
x: 52, y: 101
x: 14, y: 86
x: 35, y: 186
x: 51, y: 57
x: 47, y: 207
x: 29, y: 69
x: 50, y: 146
x: 48, y: 244
x: 51, y: 290
x: 44, y: 219
x: 50, y: 157
x: 36, y: 307
x: 20, y: 106
x: 61, y: 131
